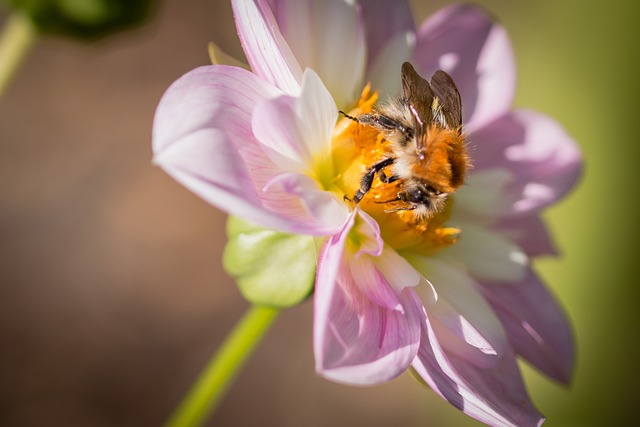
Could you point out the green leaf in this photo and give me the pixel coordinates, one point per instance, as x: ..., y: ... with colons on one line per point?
x: 270, y: 267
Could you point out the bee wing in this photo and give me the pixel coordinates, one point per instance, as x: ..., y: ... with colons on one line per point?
x: 417, y: 92
x: 445, y: 90
x: 419, y: 97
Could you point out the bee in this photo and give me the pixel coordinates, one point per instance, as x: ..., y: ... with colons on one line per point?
x: 428, y: 156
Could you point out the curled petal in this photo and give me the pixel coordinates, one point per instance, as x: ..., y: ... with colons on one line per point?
x: 536, y: 325
x: 543, y: 160
x: 298, y: 197
x: 327, y: 36
x: 495, y: 396
x: 465, y: 42
x: 267, y: 51
x: 356, y: 340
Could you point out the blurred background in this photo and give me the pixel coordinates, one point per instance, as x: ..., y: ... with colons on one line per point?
x: 112, y: 295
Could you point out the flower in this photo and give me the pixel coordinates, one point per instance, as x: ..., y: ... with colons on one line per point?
x: 454, y: 297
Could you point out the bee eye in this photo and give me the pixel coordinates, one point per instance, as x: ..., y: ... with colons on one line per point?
x: 414, y: 195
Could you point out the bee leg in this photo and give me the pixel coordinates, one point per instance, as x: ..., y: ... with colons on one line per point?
x: 367, y: 179
x: 387, y: 179
x: 355, y: 119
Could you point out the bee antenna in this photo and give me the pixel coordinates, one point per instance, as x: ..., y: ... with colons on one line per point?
x: 348, y: 116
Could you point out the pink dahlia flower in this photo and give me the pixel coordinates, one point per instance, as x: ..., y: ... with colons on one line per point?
x: 454, y: 297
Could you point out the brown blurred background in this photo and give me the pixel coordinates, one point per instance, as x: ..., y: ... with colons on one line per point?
x: 112, y: 295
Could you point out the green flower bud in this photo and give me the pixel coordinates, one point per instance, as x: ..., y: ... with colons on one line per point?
x: 270, y: 267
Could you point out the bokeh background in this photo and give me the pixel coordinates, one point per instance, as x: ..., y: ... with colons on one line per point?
x: 112, y: 295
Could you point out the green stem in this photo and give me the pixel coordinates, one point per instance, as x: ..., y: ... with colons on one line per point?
x: 17, y: 37
x: 213, y: 382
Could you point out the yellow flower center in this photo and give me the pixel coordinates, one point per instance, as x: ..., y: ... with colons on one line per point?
x: 356, y: 148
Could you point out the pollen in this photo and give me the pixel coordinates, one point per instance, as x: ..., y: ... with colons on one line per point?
x: 355, y: 148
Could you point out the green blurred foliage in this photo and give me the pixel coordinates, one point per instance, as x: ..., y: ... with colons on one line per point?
x: 579, y: 62
x: 85, y: 19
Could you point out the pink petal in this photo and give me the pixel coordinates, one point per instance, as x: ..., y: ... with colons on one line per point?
x: 536, y: 325
x: 461, y: 312
x: 275, y: 126
x: 317, y: 209
x: 372, y: 284
x: 530, y: 233
x: 327, y: 36
x: 267, y: 51
x: 495, y: 396
x: 466, y: 43
x: 384, y: 73
x: 357, y: 341
x: 544, y: 161
x: 203, y: 137
x: 209, y: 97
x: 385, y: 20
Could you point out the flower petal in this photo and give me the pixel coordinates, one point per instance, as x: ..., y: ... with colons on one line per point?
x: 459, y: 310
x: 275, y: 126
x: 484, y: 195
x: 372, y: 284
x: 208, y: 97
x: 203, y: 137
x: 357, y: 341
x: 267, y: 51
x: 487, y: 255
x: 494, y: 396
x: 297, y: 130
x: 536, y: 325
x: 321, y: 210
x: 368, y: 231
x: 544, y: 161
x: 463, y: 41
x: 385, y: 21
x: 530, y: 233
x: 384, y: 73
x: 327, y: 36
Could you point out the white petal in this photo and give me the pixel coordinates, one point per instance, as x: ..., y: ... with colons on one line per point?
x: 469, y: 327
x: 317, y: 114
x: 484, y: 194
x: 327, y: 36
x: 487, y: 255
x: 297, y: 130
x: 397, y: 270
